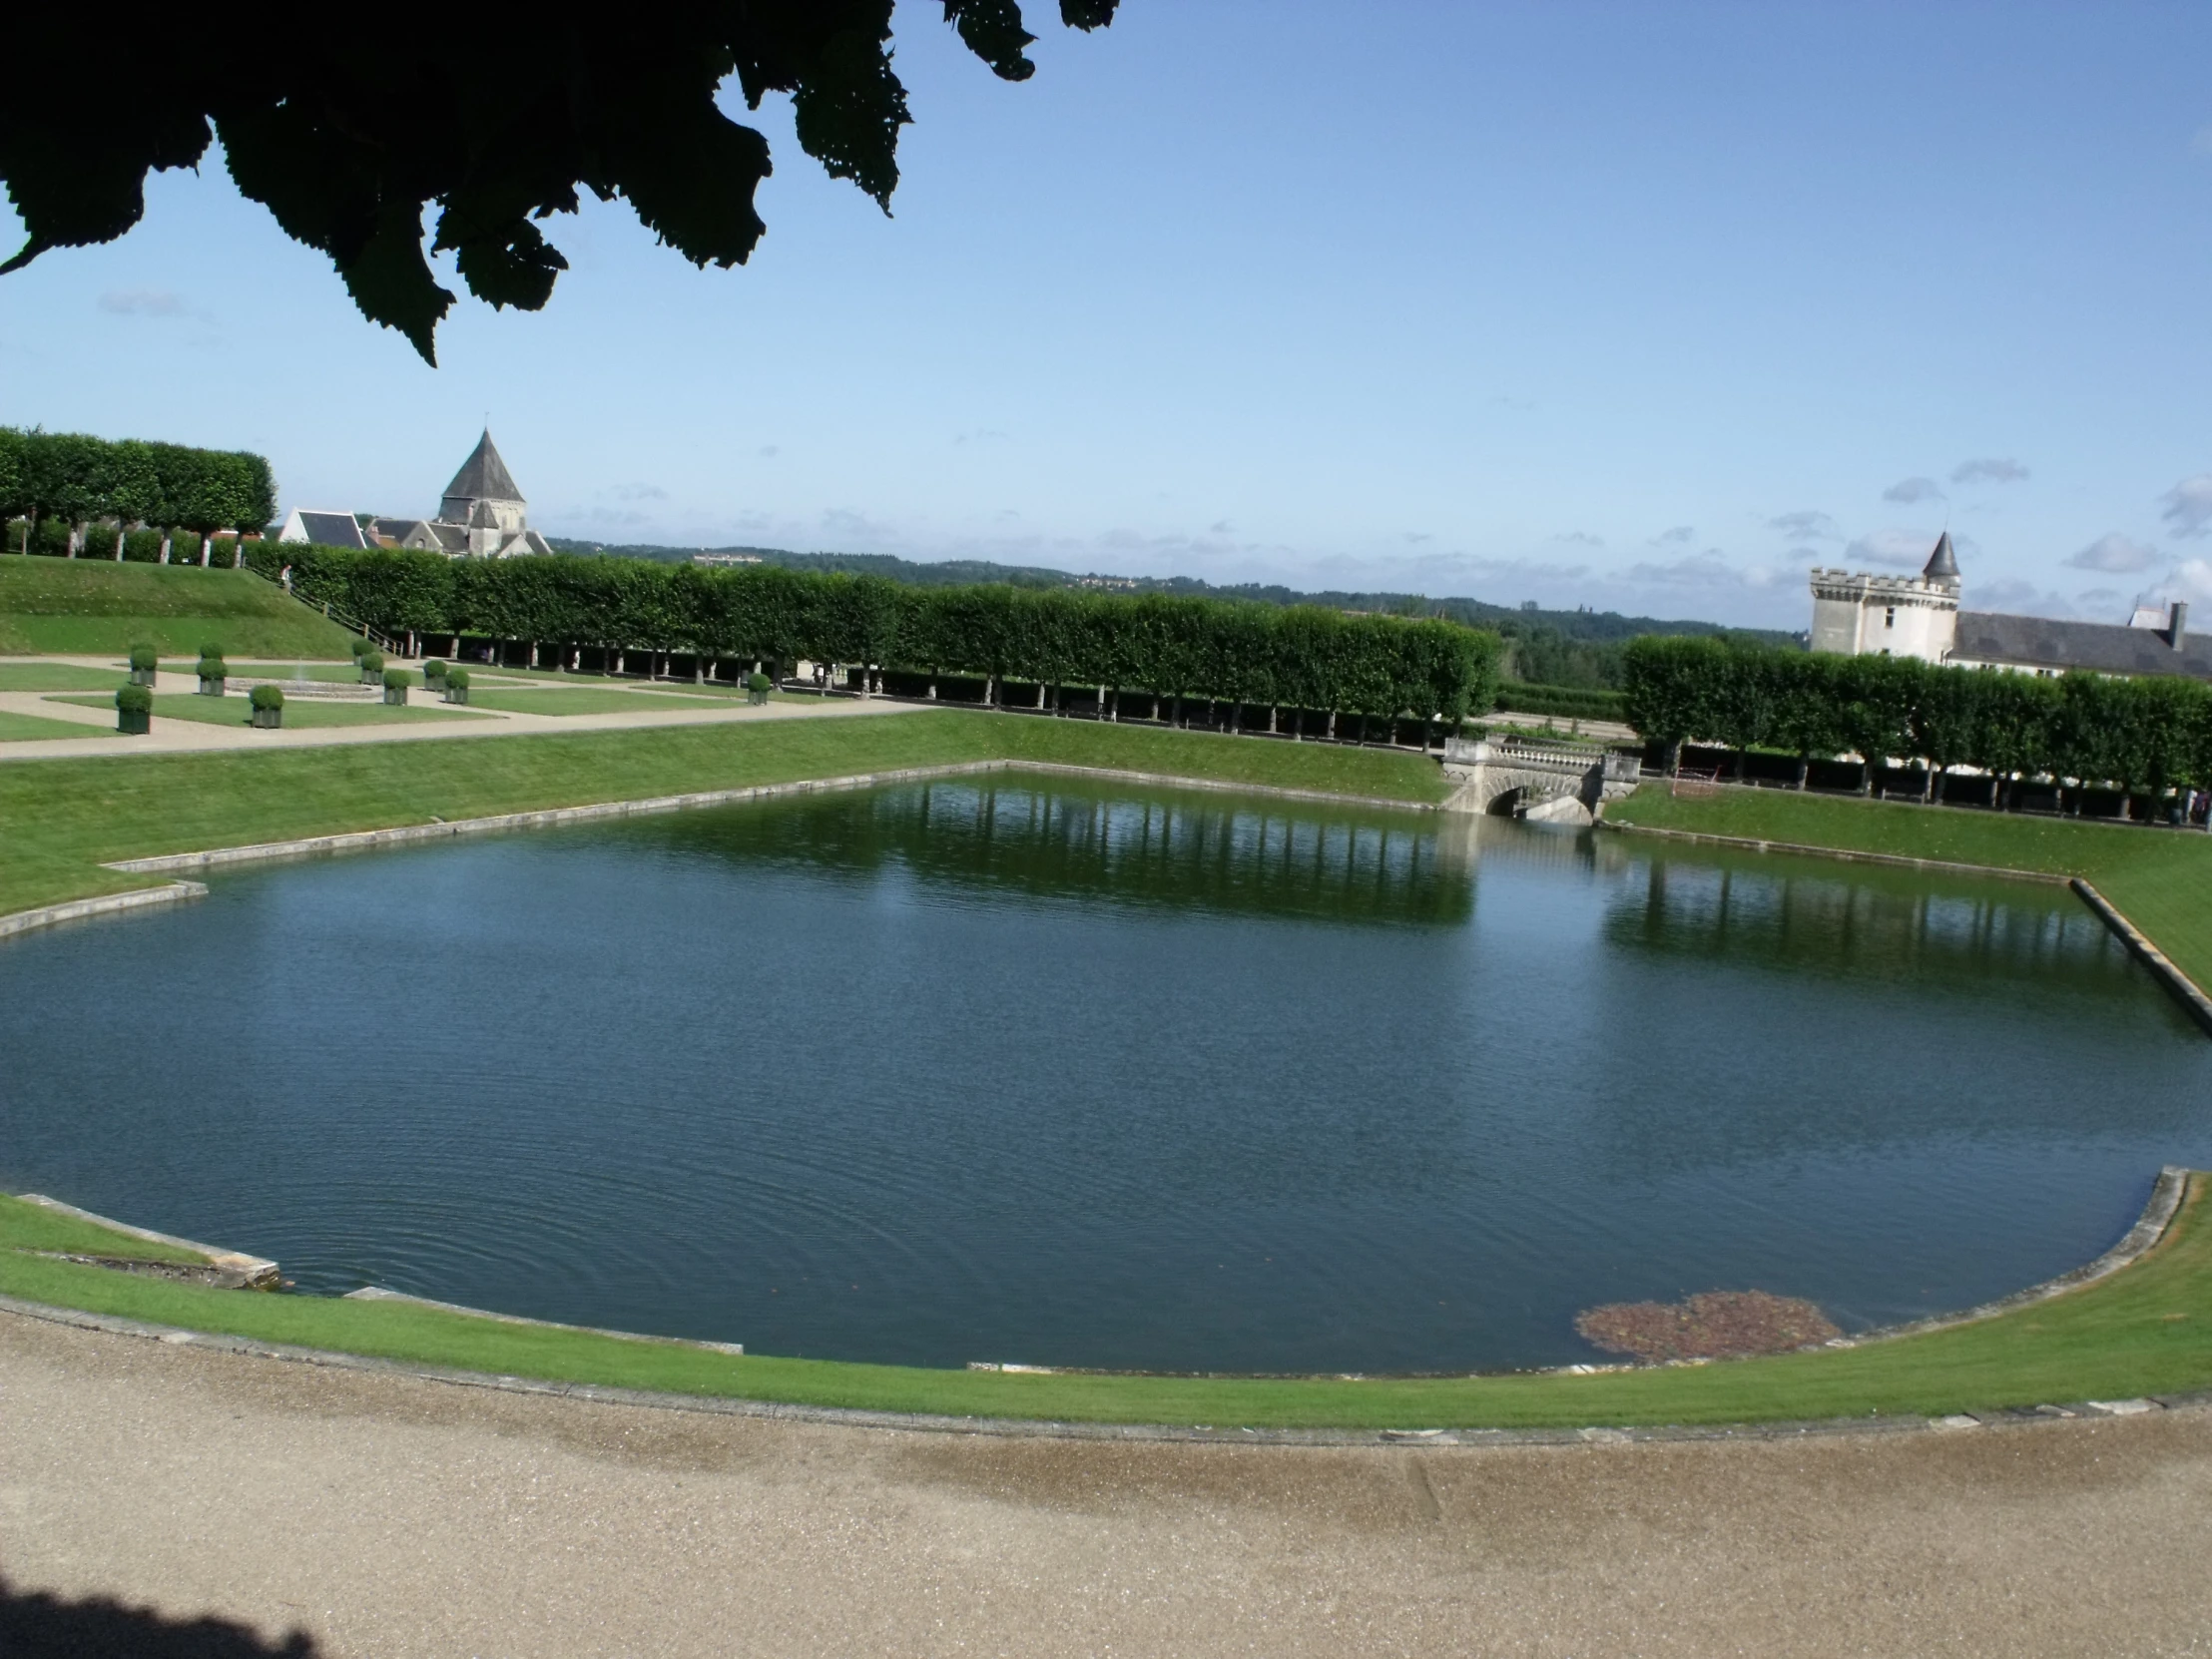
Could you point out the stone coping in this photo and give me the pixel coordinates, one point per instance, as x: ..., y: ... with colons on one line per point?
x: 1895, y: 859
x: 2151, y: 1227
x: 75, y: 909
x: 257, y: 1271
x: 366, y: 839
x: 2185, y: 988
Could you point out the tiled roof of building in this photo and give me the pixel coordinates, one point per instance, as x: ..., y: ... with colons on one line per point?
x: 2100, y: 647
x: 483, y: 476
x: 1942, y: 565
x: 331, y: 529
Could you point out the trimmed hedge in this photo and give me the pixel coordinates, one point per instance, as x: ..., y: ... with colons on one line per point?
x: 144, y: 658
x: 133, y: 700
x: 2144, y: 733
x: 1569, y: 702
x: 1240, y: 652
x: 266, y: 697
x: 77, y: 478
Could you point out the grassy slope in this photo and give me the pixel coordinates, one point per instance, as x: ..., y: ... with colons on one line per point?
x: 60, y: 677
x: 60, y: 819
x: 2144, y: 1331
x: 93, y: 605
x: 2161, y: 878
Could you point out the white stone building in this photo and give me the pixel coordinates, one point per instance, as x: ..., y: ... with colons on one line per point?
x: 1855, y: 614
x: 482, y: 514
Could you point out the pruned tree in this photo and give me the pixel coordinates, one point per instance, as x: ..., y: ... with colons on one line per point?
x: 348, y: 125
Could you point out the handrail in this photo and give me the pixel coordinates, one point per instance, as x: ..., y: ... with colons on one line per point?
x: 351, y: 624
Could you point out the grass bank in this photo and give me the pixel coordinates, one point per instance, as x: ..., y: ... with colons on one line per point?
x: 299, y: 712
x: 61, y: 820
x: 82, y: 606
x: 2162, y: 879
x: 2146, y: 1330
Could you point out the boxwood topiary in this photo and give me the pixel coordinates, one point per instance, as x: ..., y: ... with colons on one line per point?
x: 143, y: 659
x: 759, y: 683
x: 372, y: 662
x: 133, y: 700
x: 266, y: 697
x: 434, y: 669
x: 360, y: 647
x: 457, y: 677
x: 398, y: 676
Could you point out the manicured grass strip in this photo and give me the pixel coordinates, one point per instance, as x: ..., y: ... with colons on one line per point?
x: 34, y: 1226
x: 589, y: 700
x: 301, y: 713
x: 24, y: 728
x: 328, y: 674
x: 82, y: 606
x: 60, y: 819
x: 2146, y: 1330
x: 58, y: 677
x: 2162, y: 879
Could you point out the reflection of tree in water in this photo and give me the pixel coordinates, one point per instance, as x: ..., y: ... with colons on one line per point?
x: 1872, y: 925
x: 1169, y: 849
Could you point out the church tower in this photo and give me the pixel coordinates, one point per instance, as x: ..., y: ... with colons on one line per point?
x: 484, y: 498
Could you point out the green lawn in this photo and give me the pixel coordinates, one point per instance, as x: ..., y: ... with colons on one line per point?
x: 2162, y: 879
x: 23, y: 727
x: 299, y: 714
x: 581, y: 700
x: 2146, y: 1330
x: 60, y: 819
x: 80, y: 606
x: 324, y: 674
x: 55, y: 677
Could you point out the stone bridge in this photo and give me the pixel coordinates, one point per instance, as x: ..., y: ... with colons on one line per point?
x: 1527, y: 777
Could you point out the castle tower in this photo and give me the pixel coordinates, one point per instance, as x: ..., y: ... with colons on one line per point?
x: 1855, y: 614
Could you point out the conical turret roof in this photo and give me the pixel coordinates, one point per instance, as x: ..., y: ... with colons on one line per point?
x: 483, y: 476
x: 1941, y: 566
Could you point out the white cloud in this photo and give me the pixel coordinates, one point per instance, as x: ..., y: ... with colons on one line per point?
x: 2096, y: 596
x: 1580, y: 538
x: 1708, y: 571
x: 2116, y: 554
x: 2189, y: 505
x: 1897, y: 549
x: 1907, y: 491
x: 1680, y: 533
x: 1805, y: 525
x: 2021, y: 599
x: 1988, y: 470
x: 144, y: 302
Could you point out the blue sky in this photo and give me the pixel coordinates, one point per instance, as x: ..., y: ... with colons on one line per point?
x: 1640, y: 306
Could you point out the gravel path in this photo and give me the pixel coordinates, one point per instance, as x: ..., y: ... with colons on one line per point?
x: 364, y: 1514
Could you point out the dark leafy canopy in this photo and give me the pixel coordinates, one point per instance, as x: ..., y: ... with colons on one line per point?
x: 1300, y: 657
x: 2143, y: 733
x: 77, y: 479
x: 346, y: 122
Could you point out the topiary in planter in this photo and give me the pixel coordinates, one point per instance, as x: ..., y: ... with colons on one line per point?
x: 144, y: 661
x: 396, y: 682
x: 457, y: 685
x: 269, y: 707
x: 433, y: 672
x: 360, y: 648
x: 756, y: 688
x: 134, y: 710
x: 372, y: 668
x: 213, y: 673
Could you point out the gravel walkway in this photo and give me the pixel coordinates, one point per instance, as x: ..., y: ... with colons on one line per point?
x: 362, y: 1514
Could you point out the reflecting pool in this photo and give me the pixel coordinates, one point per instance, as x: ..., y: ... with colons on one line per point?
x: 1020, y: 1071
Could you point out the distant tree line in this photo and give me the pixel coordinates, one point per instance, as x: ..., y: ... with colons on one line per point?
x: 1246, y: 655
x: 2143, y: 734
x: 82, y: 481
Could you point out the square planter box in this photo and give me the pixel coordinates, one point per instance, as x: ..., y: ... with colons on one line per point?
x: 756, y: 699
x: 212, y: 687
x: 372, y: 676
x: 132, y: 723
x: 456, y: 694
x: 268, y: 720
x: 142, y: 675
x: 395, y: 696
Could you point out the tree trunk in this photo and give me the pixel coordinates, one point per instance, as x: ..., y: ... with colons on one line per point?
x: 1928, y: 784
x: 1673, y: 766
x: 1804, y: 766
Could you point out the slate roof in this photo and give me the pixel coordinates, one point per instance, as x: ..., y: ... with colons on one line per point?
x: 1942, y: 566
x: 2100, y: 647
x: 483, y: 476
x: 331, y: 529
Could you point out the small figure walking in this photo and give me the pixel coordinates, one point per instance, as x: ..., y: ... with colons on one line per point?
x: 285, y: 576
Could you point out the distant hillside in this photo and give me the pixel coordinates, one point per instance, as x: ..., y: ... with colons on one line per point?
x: 1555, y: 648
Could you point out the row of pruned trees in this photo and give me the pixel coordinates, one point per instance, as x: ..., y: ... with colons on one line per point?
x: 1246, y: 654
x: 2144, y: 735
x: 85, y: 482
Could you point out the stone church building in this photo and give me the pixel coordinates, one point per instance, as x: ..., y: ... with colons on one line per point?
x: 1856, y: 614
x: 482, y: 514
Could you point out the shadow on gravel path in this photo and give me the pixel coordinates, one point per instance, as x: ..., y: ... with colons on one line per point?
x: 40, y: 1626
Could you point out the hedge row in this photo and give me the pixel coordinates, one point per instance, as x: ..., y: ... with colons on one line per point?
x: 81, y: 479
x: 1262, y: 655
x: 49, y: 538
x: 1564, y: 702
x: 2145, y: 734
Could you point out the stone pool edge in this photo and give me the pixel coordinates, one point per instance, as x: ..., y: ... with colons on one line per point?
x: 2151, y: 1226
x: 75, y: 910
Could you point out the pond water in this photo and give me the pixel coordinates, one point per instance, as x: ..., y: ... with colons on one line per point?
x: 1021, y: 1071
